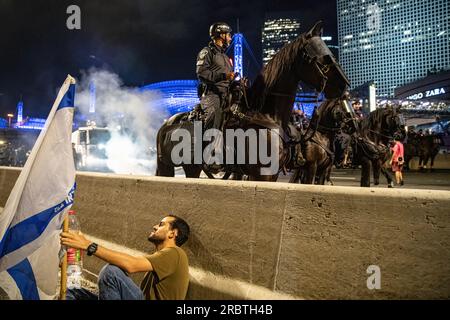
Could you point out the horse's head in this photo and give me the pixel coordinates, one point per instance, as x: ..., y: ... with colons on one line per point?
x: 393, y: 120
x: 305, y: 59
x: 334, y: 115
x: 318, y: 66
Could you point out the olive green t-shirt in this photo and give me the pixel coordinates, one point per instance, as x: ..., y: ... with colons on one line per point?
x: 169, y: 279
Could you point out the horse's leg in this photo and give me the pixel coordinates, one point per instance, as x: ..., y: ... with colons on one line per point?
x: 425, y: 160
x: 226, y: 175
x: 432, y: 161
x: 163, y: 169
x: 192, y: 171
x: 328, y: 176
x: 376, y: 168
x: 295, y: 176
x: 310, y: 173
x: 387, y: 175
x: 324, y: 172
x: 321, y: 177
x: 236, y: 176
x: 365, y: 172
x: 406, y: 165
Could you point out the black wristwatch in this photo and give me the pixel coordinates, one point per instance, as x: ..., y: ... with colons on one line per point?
x: 92, y: 249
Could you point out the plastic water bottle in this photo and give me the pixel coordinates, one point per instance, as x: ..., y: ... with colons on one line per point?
x: 74, y: 256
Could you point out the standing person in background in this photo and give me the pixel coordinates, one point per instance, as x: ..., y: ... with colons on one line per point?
x: 397, y: 159
x: 358, y: 109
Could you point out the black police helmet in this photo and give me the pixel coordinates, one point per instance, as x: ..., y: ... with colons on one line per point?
x: 218, y: 28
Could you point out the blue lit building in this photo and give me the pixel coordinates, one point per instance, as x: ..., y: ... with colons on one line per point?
x: 31, y: 123
x: 20, y: 111
x: 181, y: 95
x: 176, y: 95
x: 238, y: 54
x: 3, y: 123
x: 307, y: 101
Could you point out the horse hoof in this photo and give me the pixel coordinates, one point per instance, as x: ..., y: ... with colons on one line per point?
x: 376, y: 183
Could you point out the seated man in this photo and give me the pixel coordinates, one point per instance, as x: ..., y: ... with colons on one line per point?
x: 167, y: 269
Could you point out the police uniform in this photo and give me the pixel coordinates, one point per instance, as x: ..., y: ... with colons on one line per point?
x: 213, y: 65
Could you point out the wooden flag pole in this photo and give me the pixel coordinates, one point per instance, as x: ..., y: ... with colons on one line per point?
x: 62, y: 294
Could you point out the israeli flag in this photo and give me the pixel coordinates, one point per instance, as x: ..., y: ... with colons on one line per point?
x: 31, y: 221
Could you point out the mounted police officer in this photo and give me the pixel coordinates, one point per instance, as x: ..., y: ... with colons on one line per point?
x: 215, y: 72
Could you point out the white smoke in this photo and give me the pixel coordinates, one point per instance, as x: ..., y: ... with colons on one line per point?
x: 132, y: 115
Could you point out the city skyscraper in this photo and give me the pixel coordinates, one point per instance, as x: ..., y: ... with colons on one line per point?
x: 392, y: 42
x: 279, y: 28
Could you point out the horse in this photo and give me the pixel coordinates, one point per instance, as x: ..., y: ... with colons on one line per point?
x: 268, y: 106
x: 371, y: 142
x: 423, y: 146
x: 331, y: 117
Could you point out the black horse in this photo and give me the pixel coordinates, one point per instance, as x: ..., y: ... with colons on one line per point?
x: 318, y: 144
x: 371, y: 144
x: 268, y: 106
x: 426, y: 147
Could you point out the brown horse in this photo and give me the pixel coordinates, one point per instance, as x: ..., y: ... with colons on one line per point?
x: 268, y: 107
x: 318, y: 145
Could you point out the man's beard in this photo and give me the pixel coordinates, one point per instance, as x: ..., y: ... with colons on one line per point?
x: 154, y: 240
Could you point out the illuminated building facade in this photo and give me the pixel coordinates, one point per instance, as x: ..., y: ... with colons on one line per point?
x: 279, y: 28
x: 176, y: 95
x: 238, y: 54
x: 31, y: 123
x: 20, y: 111
x: 434, y: 87
x: 393, y: 42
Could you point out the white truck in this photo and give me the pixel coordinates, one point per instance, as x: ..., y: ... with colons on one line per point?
x: 89, y: 148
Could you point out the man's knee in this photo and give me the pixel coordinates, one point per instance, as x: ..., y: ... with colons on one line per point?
x: 110, y: 272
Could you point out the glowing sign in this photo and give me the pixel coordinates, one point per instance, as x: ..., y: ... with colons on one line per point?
x: 427, y: 94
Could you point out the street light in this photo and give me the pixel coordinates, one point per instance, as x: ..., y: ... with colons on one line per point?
x: 10, y: 116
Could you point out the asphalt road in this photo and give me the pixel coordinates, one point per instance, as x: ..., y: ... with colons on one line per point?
x: 436, y: 180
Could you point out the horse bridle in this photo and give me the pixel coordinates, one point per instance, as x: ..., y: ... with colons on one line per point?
x: 397, y: 125
x: 307, y: 53
x: 311, y: 53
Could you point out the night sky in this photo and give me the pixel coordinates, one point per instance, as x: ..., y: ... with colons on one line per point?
x: 143, y: 41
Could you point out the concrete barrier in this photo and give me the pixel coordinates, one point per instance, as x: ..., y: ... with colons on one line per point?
x: 275, y: 240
